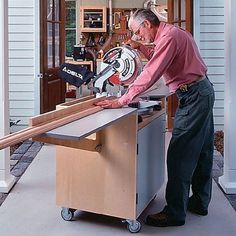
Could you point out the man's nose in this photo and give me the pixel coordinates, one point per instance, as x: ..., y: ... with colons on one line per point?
x: 135, y: 37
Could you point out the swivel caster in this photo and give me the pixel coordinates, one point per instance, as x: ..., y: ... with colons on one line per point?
x: 134, y: 226
x: 67, y: 214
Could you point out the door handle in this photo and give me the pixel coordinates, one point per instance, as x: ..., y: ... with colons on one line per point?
x: 47, y: 75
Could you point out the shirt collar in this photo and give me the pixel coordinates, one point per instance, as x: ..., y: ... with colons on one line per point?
x: 159, y: 30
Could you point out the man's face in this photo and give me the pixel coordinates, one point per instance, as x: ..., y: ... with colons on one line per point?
x: 142, y: 31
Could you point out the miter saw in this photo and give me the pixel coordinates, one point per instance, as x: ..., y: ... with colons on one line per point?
x: 120, y: 67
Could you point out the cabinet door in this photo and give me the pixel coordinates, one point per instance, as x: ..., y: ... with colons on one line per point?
x: 151, y: 162
x: 93, y: 19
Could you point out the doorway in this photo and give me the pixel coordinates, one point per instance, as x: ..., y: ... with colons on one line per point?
x: 52, y: 53
x: 180, y: 13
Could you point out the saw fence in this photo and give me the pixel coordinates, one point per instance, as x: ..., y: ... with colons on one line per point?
x: 72, y: 111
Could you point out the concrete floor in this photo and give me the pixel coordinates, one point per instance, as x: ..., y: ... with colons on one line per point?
x: 30, y: 209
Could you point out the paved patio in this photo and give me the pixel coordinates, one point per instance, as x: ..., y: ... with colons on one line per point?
x: 30, y: 207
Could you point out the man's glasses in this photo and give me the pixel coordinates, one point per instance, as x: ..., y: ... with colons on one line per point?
x: 137, y: 32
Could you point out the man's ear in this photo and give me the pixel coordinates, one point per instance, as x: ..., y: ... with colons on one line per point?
x: 147, y: 24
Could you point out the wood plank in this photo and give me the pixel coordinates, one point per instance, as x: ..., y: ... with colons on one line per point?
x: 21, y: 4
x: 21, y: 28
x: 27, y: 96
x: 17, y: 70
x: 212, y: 53
x: 75, y: 108
x: 218, y: 112
x: 210, y: 3
x: 20, y: 11
x: 21, y: 45
x: 84, y: 144
x: 212, y: 28
x: 20, y: 53
x: 82, y: 128
x: 19, y: 111
x: 20, y: 104
x: 215, y: 61
x: 214, y: 11
x: 212, y: 36
x: 212, y: 19
x: 216, y: 70
x: 21, y: 37
x: 212, y: 45
x: 75, y: 101
x: 21, y: 87
x: 21, y: 20
x: 22, y: 62
x: 42, y: 128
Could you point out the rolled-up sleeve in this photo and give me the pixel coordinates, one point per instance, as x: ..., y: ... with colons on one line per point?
x: 164, y: 53
x: 146, y: 51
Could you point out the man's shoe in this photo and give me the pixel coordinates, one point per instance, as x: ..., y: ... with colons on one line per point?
x: 195, y: 208
x: 162, y: 220
x: 198, y: 211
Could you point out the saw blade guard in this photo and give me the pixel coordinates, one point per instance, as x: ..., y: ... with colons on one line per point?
x: 128, y: 64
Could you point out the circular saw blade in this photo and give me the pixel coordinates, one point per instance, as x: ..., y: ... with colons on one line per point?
x: 129, y: 64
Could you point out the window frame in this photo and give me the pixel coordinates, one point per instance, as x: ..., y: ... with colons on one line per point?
x: 76, y: 27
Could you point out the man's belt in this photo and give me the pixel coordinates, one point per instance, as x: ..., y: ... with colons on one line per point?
x: 185, y: 87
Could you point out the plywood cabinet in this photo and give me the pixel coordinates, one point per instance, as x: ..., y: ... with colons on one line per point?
x: 121, y: 170
x: 93, y: 19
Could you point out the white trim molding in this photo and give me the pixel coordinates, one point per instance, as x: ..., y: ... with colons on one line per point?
x: 6, y: 179
x: 228, y: 180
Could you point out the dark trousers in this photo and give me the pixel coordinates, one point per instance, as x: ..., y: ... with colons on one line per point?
x: 190, y: 152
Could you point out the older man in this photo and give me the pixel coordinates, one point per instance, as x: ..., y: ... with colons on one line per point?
x: 190, y: 152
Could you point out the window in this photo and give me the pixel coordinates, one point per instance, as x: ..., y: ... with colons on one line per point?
x: 70, y: 26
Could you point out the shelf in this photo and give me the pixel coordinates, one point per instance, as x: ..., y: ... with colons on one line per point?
x: 97, y: 16
x: 92, y: 20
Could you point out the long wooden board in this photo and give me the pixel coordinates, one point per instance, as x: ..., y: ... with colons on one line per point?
x: 51, y: 120
x: 58, y: 114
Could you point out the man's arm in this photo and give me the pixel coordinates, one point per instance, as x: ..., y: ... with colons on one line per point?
x: 147, y: 51
x: 163, y: 56
x: 164, y: 53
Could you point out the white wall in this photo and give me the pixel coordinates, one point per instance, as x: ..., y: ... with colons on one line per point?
x: 209, y: 34
x: 23, y: 60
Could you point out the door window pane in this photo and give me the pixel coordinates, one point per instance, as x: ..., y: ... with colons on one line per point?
x: 50, y: 45
x: 70, y: 26
x: 49, y: 9
x: 70, y: 14
x: 57, y: 45
x: 183, y: 7
x: 57, y: 10
x: 70, y: 41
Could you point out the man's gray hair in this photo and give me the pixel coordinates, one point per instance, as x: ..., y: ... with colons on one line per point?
x: 140, y: 15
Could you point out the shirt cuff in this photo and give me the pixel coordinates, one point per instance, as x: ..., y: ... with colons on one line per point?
x: 124, y: 100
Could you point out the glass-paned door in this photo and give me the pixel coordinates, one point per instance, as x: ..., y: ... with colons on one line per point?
x: 52, y: 53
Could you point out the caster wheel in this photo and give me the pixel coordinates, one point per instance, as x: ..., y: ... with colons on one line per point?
x: 67, y: 214
x: 134, y: 226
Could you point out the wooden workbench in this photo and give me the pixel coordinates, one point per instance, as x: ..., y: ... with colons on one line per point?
x: 109, y: 164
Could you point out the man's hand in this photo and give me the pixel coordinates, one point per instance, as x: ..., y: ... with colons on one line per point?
x: 133, y: 44
x: 109, y: 104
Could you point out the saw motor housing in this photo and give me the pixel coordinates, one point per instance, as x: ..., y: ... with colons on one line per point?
x: 120, y: 66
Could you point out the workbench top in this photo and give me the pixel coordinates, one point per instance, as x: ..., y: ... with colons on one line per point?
x: 83, y: 127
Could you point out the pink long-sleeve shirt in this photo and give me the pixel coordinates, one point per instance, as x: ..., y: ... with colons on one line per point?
x: 175, y: 56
